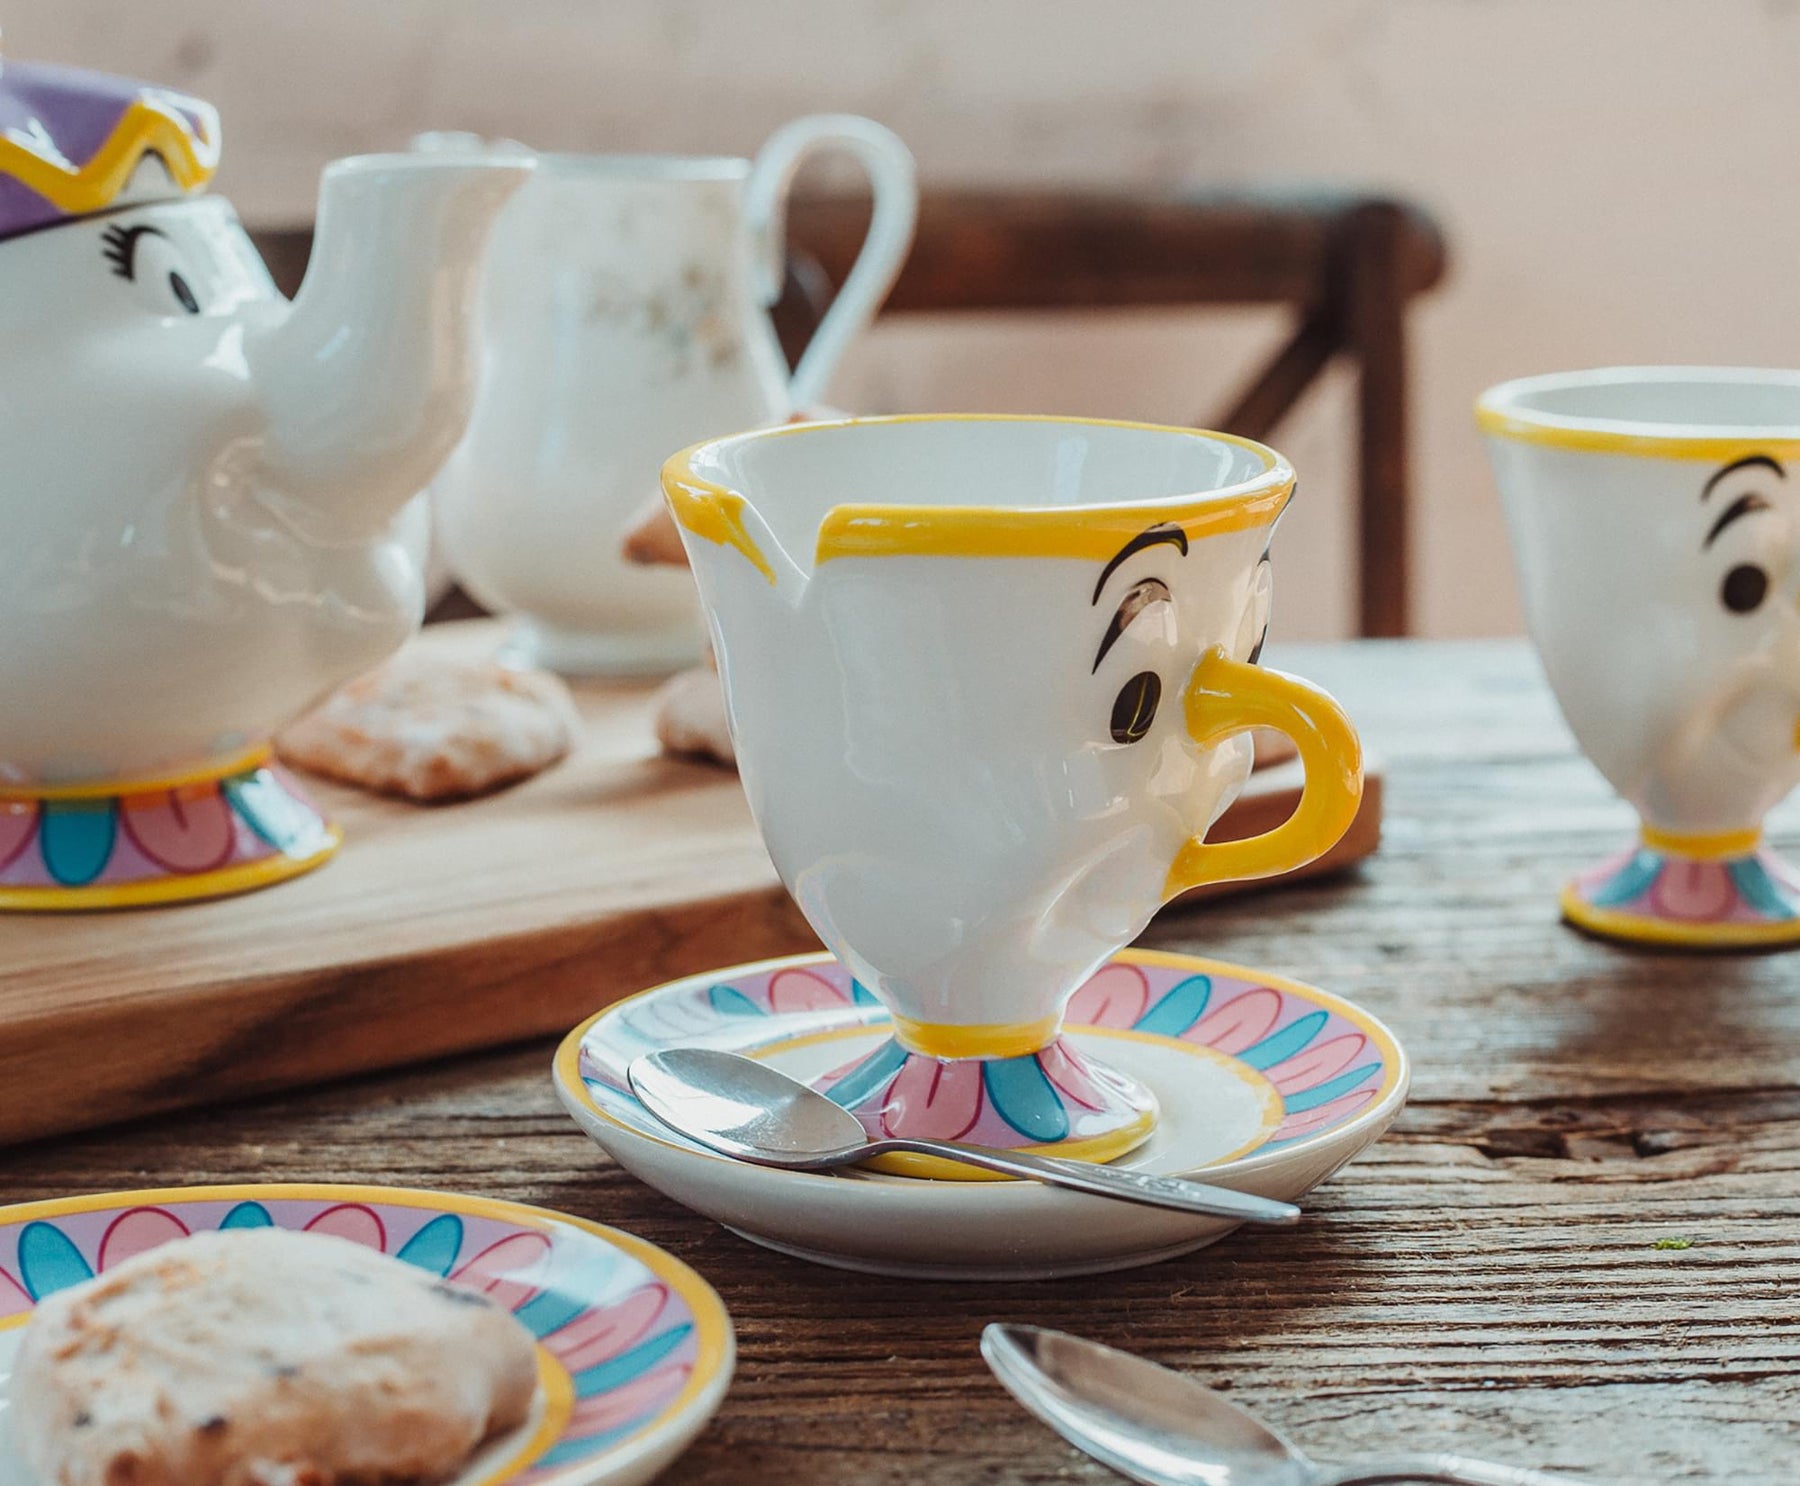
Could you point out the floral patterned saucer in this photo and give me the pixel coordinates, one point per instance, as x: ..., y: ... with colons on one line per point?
x: 1263, y: 1084
x: 634, y: 1348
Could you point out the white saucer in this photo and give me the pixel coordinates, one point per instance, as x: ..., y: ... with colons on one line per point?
x: 1266, y: 1085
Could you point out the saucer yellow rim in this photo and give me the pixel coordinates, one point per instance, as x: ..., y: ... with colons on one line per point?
x: 715, y: 1347
x: 221, y: 883
x: 234, y: 764
x: 1637, y: 928
x: 1086, y: 533
x: 566, y: 1068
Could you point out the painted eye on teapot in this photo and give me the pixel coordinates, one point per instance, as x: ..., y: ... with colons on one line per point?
x: 1134, y: 709
x: 143, y: 255
x: 1744, y: 588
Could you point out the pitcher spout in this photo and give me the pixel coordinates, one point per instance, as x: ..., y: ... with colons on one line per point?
x: 368, y: 380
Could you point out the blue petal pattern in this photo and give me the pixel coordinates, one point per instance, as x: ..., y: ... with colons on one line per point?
x: 274, y: 814
x: 1281, y: 1045
x: 730, y: 1001
x: 861, y: 995
x: 248, y: 1215
x: 1324, y: 1093
x: 1025, y: 1098
x: 870, y: 1076
x: 1631, y: 880
x: 603, y: 1377
x: 435, y: 1246
x: 49, y: 1261
x: 1759, y: 889
x: 1182, y: 1006
x: 76, y: 838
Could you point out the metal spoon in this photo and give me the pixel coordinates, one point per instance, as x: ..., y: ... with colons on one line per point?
x: 1156, y: 1426
x: 742, y: 1108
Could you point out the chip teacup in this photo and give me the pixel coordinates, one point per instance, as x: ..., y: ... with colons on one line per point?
x: 990, y: 681
x: 1655, y: 517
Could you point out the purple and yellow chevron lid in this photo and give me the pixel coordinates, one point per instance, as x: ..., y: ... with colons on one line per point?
x: 74, y: 142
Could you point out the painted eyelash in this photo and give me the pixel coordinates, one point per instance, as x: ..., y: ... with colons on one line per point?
x: 119, y: 247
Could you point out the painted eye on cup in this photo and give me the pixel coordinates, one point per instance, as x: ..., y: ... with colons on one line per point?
x: 1134, y: 709
x: 1744, y: 588
x: 184, y: 295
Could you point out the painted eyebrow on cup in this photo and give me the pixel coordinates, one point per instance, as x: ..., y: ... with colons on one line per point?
x: 1150, y: 537
x: 1742, y: 506
x: 119, y: 247
x: 1749, y: 461
x: 1137, y: 599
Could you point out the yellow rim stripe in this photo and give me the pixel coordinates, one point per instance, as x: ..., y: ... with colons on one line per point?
x: 1088, y: 533
x: 148, y: 126
x: 714, y: 1346
x: 1624, y: 438
x: 1715, y: 848
x: 567, y: 1065
x: 983, y: 1040
x: 177, y: 889
x: 240, y: 763
x: 559, y: 1403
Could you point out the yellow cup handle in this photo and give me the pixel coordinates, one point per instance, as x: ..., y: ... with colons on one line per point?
x: 1227, y: 696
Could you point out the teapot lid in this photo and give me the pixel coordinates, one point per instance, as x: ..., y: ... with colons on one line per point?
x: 73, y: 143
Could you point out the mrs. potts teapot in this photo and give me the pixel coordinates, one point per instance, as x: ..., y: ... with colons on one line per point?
x: 201, y: 530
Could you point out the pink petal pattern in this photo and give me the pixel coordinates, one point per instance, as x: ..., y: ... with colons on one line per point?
x: 1240, y: 1023
x: 18, y: 828
x: 595, y: 1336
x: 620, y: 1406
x: 1330, y: 1113
x: 801, y: 990
x: 1317, y: 1063
x: 940, y: 1101
x: 492, y: 1271
x: 353, y: 1221
x: 1116, y: 995
x: 1700, y: 891
x: 13, y: 1299
x: 137, y: 1232
x: 189, y: 829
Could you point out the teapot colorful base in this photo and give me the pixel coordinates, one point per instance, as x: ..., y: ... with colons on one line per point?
x: 1054, y: 1102
x: 205, y: 834
x: 1704, y: 893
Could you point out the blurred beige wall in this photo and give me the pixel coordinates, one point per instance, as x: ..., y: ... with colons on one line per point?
x: 1612, y: 174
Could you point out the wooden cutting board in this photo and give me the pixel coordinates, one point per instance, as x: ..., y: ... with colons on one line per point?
x: 435, y: 930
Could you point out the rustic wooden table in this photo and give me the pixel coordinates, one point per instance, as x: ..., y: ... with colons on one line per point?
x: 1496, y: 1276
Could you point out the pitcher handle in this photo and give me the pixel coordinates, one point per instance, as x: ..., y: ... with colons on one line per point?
x: 1227, y: 696
x: 889, y: 165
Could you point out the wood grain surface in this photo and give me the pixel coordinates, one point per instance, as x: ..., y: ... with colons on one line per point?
x: 1487, y: 1278
x: 435, y: 930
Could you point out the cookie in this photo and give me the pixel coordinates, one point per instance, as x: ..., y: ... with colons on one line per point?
x: 265, y: 1358
x: 435, y: 730
x: 690, y: 717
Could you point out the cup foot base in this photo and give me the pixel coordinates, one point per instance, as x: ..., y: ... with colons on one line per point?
x: 210, y: 834
x: 1055, y: 1102
x: 1650, y: 896
x: 579, y: 653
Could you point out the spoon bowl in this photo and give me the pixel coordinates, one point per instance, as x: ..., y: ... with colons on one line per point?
x: 745, y: 1109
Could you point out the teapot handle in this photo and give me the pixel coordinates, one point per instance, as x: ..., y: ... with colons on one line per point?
x: 890, y: 169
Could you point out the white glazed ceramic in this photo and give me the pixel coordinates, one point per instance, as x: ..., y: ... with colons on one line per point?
x: 1266, y: 1085
x: 625, y: 310
x: 205, y: 527
x: 1655, y: 517
x: 988, y: 681
x: 635, y: 1350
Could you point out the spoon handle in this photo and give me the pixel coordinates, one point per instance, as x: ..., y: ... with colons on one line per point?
x: 1105, y: 1181
x: 1441, y: 1470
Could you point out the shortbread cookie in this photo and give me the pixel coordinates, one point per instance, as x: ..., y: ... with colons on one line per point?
x: 435, y: 730
x: 653, y: 537
x: 690, y: 717
x: 265, y: 1358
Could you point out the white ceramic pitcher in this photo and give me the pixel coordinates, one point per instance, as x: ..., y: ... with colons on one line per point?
x: 625, y: 304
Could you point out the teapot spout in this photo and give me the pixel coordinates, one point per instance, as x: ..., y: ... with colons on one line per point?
x: 368, y: 381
